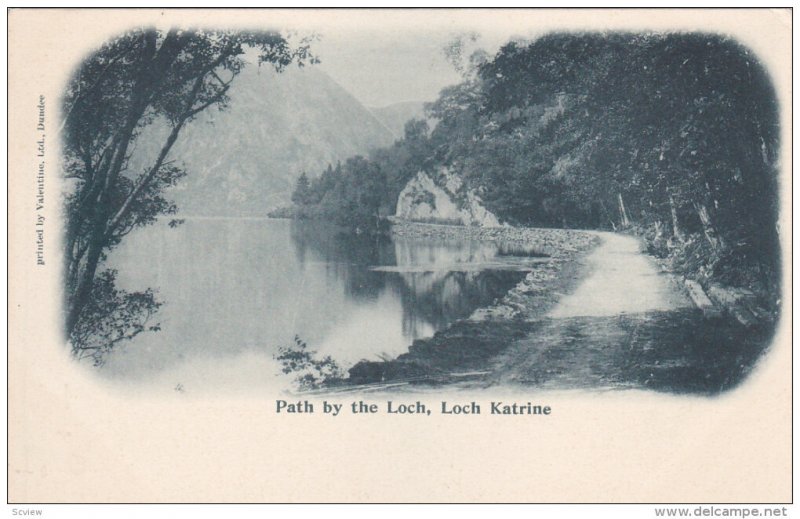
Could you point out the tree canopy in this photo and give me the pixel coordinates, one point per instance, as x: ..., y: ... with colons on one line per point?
x: 673, y: 134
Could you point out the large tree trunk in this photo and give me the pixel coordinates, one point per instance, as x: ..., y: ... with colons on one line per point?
x: 80, y: 278
x: 106, y: 218
x: 83, y: 289
x: 95, y: 202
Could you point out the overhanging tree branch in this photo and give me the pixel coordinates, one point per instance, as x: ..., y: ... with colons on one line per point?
x: 141, y: 77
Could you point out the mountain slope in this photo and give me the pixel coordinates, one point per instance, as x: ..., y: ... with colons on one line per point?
x: 245, y: 159
x: 396, y: 115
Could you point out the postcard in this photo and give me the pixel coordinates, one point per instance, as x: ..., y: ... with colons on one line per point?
x: 400, y: 256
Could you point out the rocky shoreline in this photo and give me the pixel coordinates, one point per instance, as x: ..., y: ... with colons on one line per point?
x: 468, y: 344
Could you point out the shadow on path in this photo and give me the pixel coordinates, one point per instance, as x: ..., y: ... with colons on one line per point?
x: 625, y: 326
x: 676, y: 351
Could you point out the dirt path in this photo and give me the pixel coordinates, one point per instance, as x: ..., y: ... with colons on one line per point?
x: 621, y: 280
x: 602, y: 334
x: 625, y: 325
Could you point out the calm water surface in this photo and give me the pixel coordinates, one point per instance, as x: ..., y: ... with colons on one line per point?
x: 237, y: 289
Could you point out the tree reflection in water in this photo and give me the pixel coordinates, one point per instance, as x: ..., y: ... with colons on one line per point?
x: 438, y: 281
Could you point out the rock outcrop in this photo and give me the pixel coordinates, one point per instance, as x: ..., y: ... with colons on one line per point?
x: 442, y: 198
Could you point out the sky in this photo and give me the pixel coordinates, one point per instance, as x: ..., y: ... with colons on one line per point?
x: 385, y: 67
x: 388, y: 56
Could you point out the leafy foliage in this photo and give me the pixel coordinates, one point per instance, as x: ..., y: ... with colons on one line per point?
x: 681, y: 127
x: 111, y: 317
x: 312, y: 373
x: 673, y: 135
x: 361, y: 192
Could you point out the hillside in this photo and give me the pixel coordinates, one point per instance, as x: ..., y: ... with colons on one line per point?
x: 245, y: 160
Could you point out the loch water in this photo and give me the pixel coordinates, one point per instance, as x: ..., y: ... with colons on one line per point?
x: 235, y: 290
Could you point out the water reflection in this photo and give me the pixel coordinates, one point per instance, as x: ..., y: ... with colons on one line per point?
x: 436, y: 281
x: 234, y: 288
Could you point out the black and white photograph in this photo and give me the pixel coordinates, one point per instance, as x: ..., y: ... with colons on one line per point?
x: 573, y: 210
x: 443, y: 215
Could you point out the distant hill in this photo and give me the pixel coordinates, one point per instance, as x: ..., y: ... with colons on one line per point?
x: 395, y: 116
x: 245, y: 160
